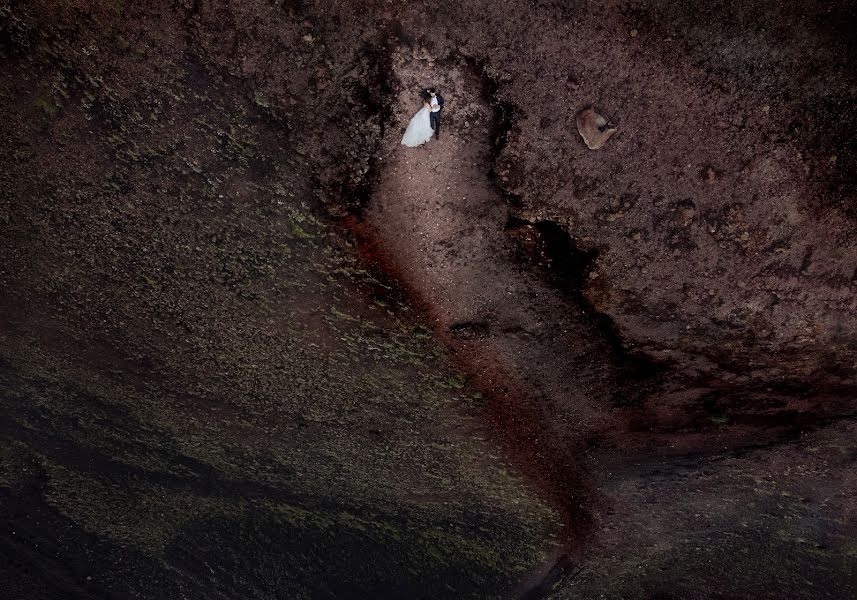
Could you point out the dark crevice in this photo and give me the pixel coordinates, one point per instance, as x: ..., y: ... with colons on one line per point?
x: 374, y: 96
x: 563, y: 571
x: 295, y: 6
x: 17, y: 36
x: 565, y: 265
x: 789, y: 411
x: 504, y: 117
x: 505, y: 114
x: 191, y: 13
x: 568, y: 267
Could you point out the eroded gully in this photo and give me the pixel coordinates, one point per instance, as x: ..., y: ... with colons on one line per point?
x: 437, y: 223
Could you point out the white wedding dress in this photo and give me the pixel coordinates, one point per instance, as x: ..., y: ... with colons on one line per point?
x: 419, y: 129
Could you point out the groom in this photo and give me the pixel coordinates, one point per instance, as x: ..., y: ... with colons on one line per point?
x: 436, y: 101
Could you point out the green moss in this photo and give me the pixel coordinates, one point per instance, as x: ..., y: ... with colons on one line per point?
x: 454, y: 382
x: 46, y: 105
x: 299, y: 232
x: 341, y: 315
x: 210, y: 391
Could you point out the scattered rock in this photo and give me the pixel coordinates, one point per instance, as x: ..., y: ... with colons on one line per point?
x: 594, y: 128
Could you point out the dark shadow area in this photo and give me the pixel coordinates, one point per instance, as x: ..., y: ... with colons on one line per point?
x: 553, y: 251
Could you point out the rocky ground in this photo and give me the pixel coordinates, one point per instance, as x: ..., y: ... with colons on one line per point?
x: 253, y: 347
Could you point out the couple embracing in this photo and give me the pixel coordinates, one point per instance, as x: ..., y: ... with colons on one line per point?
x: 427, y: 120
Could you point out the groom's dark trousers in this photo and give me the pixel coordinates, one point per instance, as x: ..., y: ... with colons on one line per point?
x: 434, y: 119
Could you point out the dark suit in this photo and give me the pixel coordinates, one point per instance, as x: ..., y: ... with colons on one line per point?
x: 434, y: 117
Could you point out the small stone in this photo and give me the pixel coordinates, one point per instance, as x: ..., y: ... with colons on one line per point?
x: 710, y: 175
x: 633, y: 33
x: 833, y: 158
x: 594, y: 128
x: 308, y: 38
x: 766, y: 109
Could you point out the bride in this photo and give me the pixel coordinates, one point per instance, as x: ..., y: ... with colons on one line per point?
x: 419, y: 130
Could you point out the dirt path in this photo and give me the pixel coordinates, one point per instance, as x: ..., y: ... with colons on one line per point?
x: 440, y: 220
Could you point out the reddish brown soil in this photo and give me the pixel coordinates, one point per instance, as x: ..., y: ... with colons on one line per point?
x: 199, y: 380
x: 559, y: 385
x: 439, y: 222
